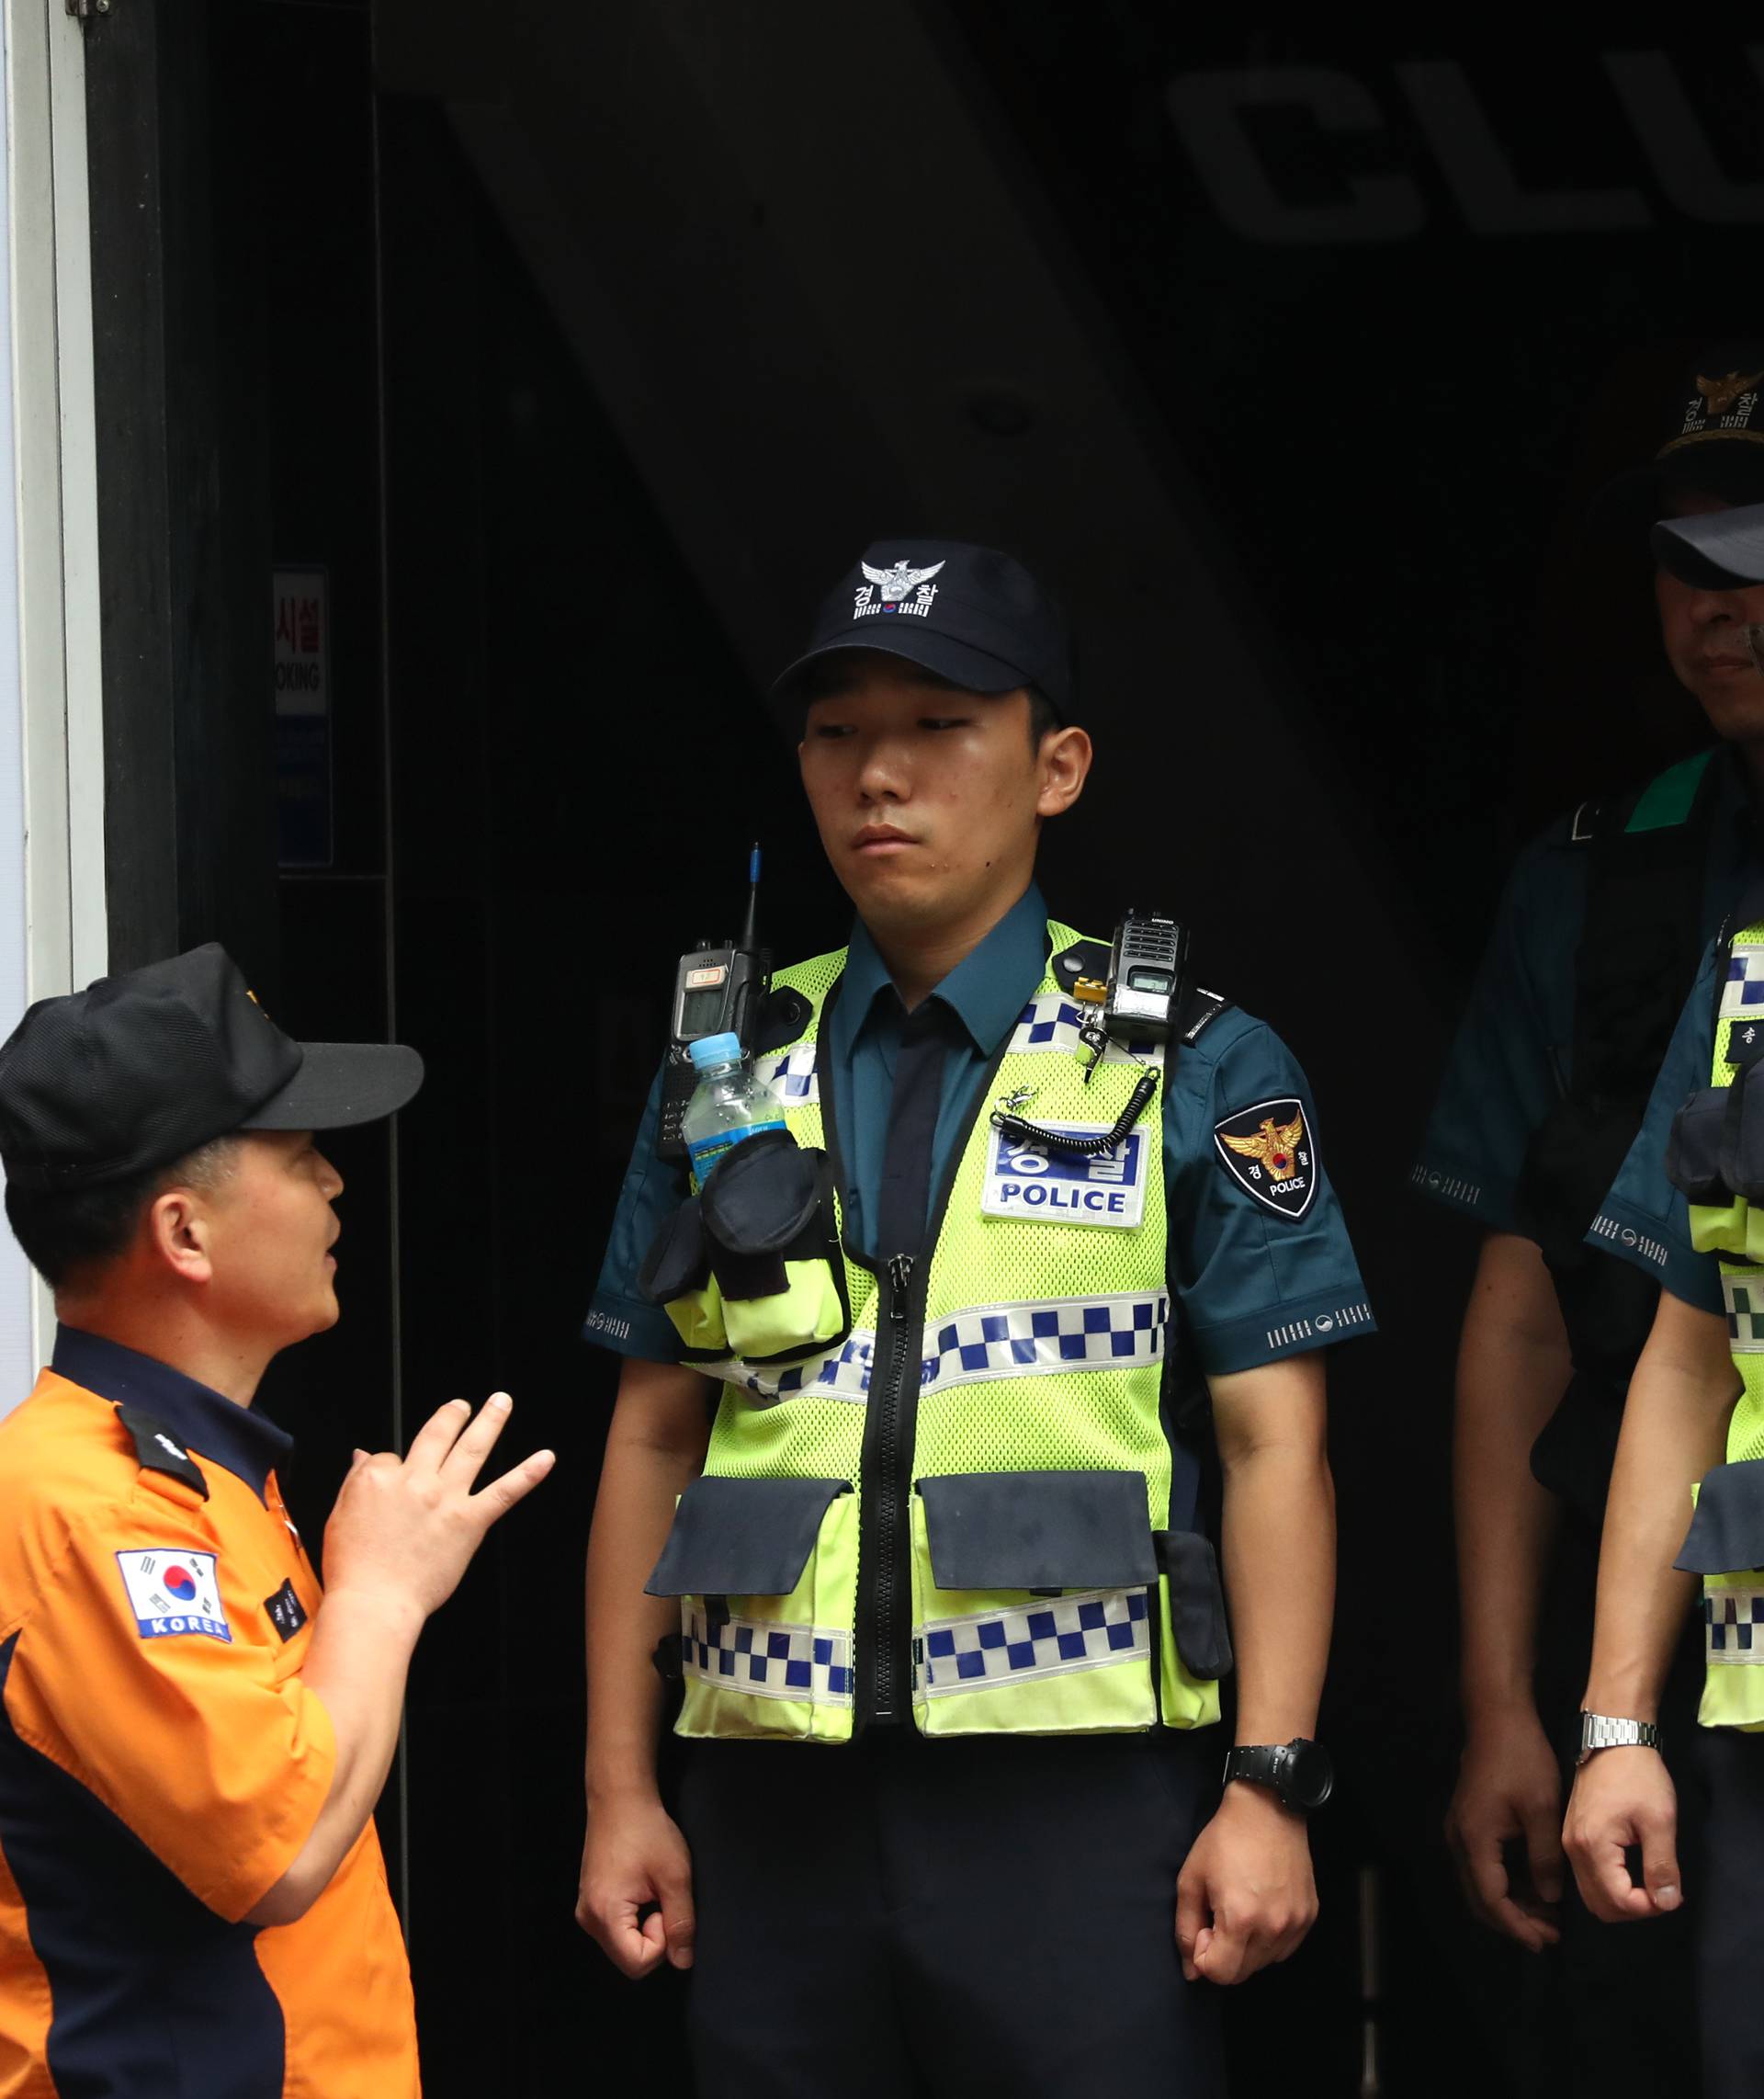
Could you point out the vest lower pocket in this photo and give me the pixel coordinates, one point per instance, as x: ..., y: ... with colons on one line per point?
x: 1725, y: 1546
x: 766, y: 1575
x: 1034, y: 1602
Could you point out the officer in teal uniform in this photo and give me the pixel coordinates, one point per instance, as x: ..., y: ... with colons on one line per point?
x: 1673, y: 1216
x: 1593, y: 949
x: 949, y: 1627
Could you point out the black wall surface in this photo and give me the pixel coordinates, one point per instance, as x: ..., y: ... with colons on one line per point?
x: 318, y: 345
x: 558, y: 693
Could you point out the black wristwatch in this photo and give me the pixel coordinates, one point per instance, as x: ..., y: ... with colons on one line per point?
x: 1299, y: 1771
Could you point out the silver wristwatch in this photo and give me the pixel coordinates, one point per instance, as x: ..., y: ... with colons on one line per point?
x: 1599, y: 1731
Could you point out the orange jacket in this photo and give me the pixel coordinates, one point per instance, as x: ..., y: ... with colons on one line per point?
x: 162, y: 1762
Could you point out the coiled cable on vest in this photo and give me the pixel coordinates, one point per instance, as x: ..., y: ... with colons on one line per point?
x: 1021, y: 1132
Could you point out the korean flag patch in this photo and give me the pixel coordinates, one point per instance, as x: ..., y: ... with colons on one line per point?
x: 1267, y: 1150
x: 171, y: 1591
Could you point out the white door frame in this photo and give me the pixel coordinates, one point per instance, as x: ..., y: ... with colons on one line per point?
x: 53, y: 927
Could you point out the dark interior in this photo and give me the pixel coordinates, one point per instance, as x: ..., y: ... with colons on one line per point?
x: 579, y: 350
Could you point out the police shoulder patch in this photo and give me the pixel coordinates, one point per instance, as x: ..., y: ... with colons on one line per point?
x: 171, y: 1591
x: 1267, y: 1150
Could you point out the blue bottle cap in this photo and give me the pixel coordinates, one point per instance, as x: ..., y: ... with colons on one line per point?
x: 716, y: 1050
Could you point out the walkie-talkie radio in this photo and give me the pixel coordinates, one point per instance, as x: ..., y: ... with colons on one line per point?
x: 1146, y: 966
x: 718, y: 990
x: 1135, y: 1009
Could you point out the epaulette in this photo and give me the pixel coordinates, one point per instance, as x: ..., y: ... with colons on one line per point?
x: 1585, y: 824
x: 1666, y: 802
x: 158, y: 1451
x: 1197, y: 1012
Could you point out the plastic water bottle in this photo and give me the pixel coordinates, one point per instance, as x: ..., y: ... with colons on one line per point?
x: 728, y: 1104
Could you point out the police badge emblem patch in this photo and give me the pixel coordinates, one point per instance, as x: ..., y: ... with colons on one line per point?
x: 1267, y: 1150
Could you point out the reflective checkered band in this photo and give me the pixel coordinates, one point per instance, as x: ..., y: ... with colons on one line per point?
x: 1050, y: 1334
x: 1733, y: 1625
x: 1051, y: 1638
x: 1050, y: 1024
x: 1744, y: 990
x: 768, y: 1661
x: 842, y: 1373
x: 989, y: 1340
x: 1743, y: 1293
x: 791, y: 1077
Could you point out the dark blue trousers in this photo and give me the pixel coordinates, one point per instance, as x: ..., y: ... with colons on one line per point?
x: 965, y: 1918
x: 1728, y: 1897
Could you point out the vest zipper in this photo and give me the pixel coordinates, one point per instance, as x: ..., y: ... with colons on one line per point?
x: 884, y: 1615
x: 886, y: 1631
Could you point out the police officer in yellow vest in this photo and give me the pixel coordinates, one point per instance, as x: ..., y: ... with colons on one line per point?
x: 1598, y: 938
x: 1693, y: 1427
x: 899, y: 1470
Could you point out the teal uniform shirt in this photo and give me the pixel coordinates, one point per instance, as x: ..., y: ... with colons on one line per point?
x: 1510, y: 1060
x: 1253, y: 1285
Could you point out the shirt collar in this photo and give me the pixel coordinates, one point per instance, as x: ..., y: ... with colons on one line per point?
x: 201, y: 1418
x: 985, y: 991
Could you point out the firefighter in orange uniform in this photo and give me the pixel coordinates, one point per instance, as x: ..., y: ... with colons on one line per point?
x: 192, y: 1898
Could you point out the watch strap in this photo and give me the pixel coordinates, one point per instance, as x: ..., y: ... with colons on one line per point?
x: 1605, y: 1730
x: 1260, y: 1764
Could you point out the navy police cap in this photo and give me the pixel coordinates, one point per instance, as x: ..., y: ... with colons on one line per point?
x: 1721, y: 550
x: 140, y: 1069
x: 969, y: 614
x: 1712, y: 439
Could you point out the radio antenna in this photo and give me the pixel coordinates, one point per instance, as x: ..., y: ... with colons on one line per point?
x: 749, y: 932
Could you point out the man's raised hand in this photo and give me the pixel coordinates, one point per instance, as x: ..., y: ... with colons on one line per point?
x: 405, y: 1529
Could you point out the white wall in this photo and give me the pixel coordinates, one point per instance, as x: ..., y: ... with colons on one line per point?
x: 52, y: 930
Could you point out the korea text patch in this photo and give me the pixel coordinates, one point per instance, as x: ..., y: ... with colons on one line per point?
x: 171, y: 1591
x: 1267, y: 1150
x: 1029, y: 1180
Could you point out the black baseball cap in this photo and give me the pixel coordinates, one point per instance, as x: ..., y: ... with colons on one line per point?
x: 1712, y: 439
x: 970, y: 614
x: 140, y: 1068
x: 1722, y: 549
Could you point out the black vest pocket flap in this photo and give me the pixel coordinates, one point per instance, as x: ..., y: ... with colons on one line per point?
x: 760, y: 1194
x: 1196, y: 1603
x: 743, y: 1537
x: 679, y: 1260
x: 1039, y: 1530
x: 1727, y: 1532
x: 1694, y: 1146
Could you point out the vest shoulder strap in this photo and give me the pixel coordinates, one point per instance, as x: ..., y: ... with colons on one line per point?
x: 1642, y: 932
x: 1081, y: 958
x: 786, y: 1012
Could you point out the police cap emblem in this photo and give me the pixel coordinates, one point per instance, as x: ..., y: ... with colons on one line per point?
x: 1267, y: 1150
